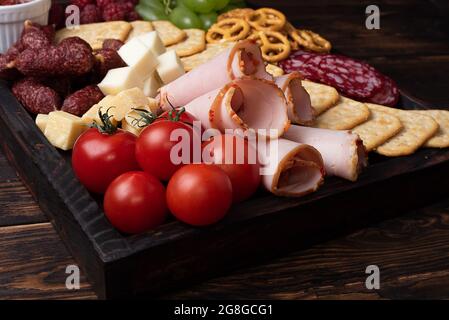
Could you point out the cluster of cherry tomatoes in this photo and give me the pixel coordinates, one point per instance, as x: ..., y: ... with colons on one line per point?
x: 141, y: 184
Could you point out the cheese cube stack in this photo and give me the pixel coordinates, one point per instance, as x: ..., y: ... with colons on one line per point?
x: 138, y: 56
x: 62, y: 129
x: 152, y: 41
x: 149, y: 67
x: 152, y: 84
x: 170, y: 67
x: 119, y: 79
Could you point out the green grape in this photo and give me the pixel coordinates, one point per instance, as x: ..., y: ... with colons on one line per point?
x: 220, y: 4
x: 156, y: 4
x: 151, y: 13
x: 200, y: 6
x: 183, y: 18
x: 208, y: 19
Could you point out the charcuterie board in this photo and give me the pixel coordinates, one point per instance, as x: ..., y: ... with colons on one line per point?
x: 175, y: 254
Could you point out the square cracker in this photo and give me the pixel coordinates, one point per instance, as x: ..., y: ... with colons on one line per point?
x: 139, y: 27
x: 168, y: 32
x: 96, y: 33
x: 441, y: 138
x: 346, y: 115
x: 379, y: 128
x: 212, y: 50
x: 417, y: 129
x: 323, y: 97
x: 194, y: 43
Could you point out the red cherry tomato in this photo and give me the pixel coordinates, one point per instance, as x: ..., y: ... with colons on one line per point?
x: 98, y: 158
x: 135, y: 202
x: 199, y: 194
x: 154, y: 148
x: 238, y: 159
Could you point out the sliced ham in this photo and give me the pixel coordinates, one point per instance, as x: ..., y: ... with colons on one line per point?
x: 300, y: 109
x: 243, y: 59
x: 243, y: 104
x: 290, y: 168
x: 343, y: 151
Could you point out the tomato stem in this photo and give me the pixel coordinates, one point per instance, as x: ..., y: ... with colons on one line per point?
x: 106, y: 125
x: 146, y: 117
x: 175, y: 113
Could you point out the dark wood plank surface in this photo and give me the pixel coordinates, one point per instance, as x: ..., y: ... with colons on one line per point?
x: 412, y: 252
x: 33, y: 263
x: 16, y: 203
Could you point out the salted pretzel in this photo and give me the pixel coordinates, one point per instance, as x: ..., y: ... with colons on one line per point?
x: 273, y: 44
x: 231, y: 29
x: 266, y: 19
x: 293, y: 44
x: 292, y: 34
x: 312, y: 41
x: 288, y: 32
x: 240, y: 13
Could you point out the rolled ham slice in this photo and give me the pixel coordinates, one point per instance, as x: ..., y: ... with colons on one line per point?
x: 289, y: 168
x: 243, y: 59
x: 300, y: 109
x: 243, y: 104
x: 343, y: 151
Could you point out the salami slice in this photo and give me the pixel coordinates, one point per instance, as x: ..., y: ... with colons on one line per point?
x: 352, y: 78
x: 296, y: 60
x: 308, y: 65
x: 388, y: 95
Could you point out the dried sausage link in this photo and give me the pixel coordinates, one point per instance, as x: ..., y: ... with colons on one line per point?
x: 80, y: 101
x: 72, y: 57
x: 35, y: 96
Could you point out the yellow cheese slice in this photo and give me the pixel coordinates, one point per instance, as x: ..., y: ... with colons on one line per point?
x: 63, y: 129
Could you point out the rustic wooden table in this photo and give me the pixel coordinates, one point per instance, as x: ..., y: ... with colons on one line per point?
x: 412, y: 252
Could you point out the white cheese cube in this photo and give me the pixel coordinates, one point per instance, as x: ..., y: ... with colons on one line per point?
x: 41, y: 121
x: 137, y: 55
x: 63, y: 129
x: 106, y: 105
x: 127, y: 100
x: 152, y: 85
x: 120, y: 79
x: 152, y: 41
x: 170, y: 67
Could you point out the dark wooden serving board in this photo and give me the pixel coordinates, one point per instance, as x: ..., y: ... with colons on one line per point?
x: 175, y: 254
